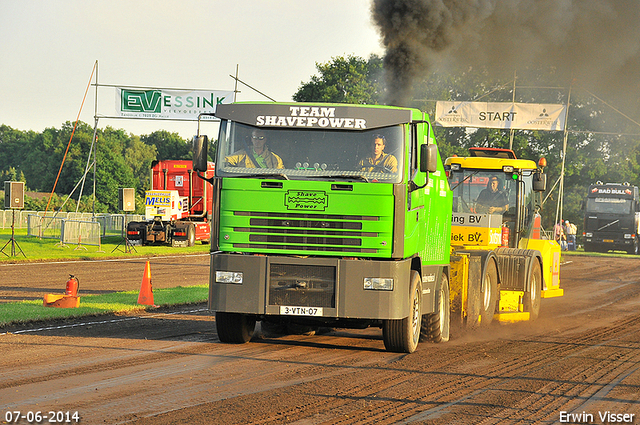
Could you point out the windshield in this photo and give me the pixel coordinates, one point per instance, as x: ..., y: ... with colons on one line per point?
x: 609, y: 205
x: 482, y: 191
x: 369, y: 155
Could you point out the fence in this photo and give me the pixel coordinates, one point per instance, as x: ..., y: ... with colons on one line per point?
x: 47, y: 227
x: 7, y: 217
x: 115, y: 224
x: 80, y: 232
x: 68, y: 227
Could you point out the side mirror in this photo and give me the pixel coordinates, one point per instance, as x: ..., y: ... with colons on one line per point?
x: 428, y: 158
x: 539, y: 182
x: 200, y: 147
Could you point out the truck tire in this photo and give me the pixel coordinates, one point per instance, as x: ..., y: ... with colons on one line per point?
x: 191, y: 235
x: 532, y: 296
x: 235, y: 328
x: 435, y: 326
x: 489, y: 294
x: 403, y: 335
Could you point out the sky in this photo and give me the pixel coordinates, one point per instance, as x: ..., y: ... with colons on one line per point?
x: 49, y: 49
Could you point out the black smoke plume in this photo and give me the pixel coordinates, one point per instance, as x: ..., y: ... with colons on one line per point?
x: 592, y: 43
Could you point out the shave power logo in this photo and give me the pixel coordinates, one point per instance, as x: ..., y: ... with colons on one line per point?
x: 306, y: 200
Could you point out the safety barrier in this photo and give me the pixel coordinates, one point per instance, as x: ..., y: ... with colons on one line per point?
x: 47, y: 227
x: 80, y: 232
x: 7, y: 217
x: 116, y: 224
x: 69, y: 227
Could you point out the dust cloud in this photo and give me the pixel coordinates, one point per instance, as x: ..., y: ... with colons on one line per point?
x: 594, y: 44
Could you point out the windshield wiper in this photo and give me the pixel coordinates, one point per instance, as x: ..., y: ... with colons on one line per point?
x: 266, y: 175
x: 465, y: 179
x: 607, y: 225
x: 344, y: 176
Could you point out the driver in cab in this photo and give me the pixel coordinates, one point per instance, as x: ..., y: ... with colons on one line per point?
x: 257, y: 155
x: 491, y: 199
x: 379, y: 161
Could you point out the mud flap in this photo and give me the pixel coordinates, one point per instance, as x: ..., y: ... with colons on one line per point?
x: 474, y: 296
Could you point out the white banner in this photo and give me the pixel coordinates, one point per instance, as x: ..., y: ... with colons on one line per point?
x: 517, y: 116
x: 168, y: 104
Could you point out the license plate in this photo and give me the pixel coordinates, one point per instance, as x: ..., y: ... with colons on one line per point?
x: 301, y: 311
x: 608, y: 240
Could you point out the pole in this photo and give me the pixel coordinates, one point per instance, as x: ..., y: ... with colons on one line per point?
x: 13, y: 240
x: 13, y: 234
x: 235, y: 86
x: 93, y: 206
x: 93, y: 146
x: 252, y: 88
x: 564, y: 156
x: 512, y: 132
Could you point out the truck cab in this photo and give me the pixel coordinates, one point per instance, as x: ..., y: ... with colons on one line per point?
x: 178, y: 207
x: 612, y: 218
x: 328, y: 215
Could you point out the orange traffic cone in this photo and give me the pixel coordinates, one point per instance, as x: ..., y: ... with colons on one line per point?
x: 146, y: 290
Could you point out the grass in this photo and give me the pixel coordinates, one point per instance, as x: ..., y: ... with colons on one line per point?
x: 29, y: 311
x: 581, y: 251
x: 36, y: 249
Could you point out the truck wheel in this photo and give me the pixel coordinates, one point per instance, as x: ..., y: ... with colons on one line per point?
x: 488, y: 294
x: 435, y: 326
x: 402, y: 335
x: 235, y: 328
x: 191, y: 235
x: 532, y: 297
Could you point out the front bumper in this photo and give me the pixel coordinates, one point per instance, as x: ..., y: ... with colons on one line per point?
x: 336, y: 286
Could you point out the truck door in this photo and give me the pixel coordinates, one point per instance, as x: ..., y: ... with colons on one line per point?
x: 416, y: 213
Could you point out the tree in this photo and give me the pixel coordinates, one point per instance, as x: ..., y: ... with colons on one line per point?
x: 348, y: 79
x: 138, y: 156
x: 168, y: 145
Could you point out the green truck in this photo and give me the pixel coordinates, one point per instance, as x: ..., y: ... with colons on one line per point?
x: 328, y: 215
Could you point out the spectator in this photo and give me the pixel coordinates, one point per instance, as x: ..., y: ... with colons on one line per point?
x: 560, y: 236
x: 571, y: 230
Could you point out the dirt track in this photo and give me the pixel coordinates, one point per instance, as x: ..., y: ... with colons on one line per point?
x: 167, y: 367
x: 30, y: 281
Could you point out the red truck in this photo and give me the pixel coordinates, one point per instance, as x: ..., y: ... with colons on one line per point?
x: 177, y: 208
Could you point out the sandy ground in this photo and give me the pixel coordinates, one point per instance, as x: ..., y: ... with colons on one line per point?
x: 582, y: 356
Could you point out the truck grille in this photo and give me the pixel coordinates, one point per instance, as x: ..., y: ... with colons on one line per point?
x: 306, y: 232
x: 302, y: 286
x: 605, y: 225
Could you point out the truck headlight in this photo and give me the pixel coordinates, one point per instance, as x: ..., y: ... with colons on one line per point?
x: 589, y: 234
x: 229, y: 277
x: 628, y: 236
x: 378, y: 283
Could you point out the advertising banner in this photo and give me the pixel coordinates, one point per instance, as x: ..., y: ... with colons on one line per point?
x: 517, y: 116
x: 168, y: 104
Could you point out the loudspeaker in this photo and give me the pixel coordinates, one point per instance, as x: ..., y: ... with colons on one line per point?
x: 127, y: 199
x: 14, y: 195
